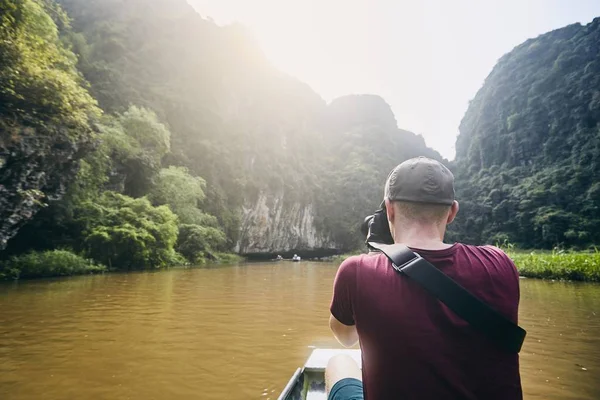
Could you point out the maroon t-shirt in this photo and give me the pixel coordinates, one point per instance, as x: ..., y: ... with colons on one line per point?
x: 413, y: 346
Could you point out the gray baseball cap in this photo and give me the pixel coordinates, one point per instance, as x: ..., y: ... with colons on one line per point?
x: 421, y: 180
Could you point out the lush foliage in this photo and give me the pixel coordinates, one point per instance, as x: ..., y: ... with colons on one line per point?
x: 127, y: 157
x: 116, y: 230
x: 38, y: 79
x: 576, y: 266
x: 200, y: 243
x: 137, y: 142
x: 48, y: 264
x: 44, y: 111
x: 128, y: 233
x: 183, y: 193
x: 528, y: 155
x: 243, y: 126
x: 197, y: 126
x: 119, y: 162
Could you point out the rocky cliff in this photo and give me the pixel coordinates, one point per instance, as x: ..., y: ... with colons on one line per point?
x: 329, y: 178
x: 35, y: 167
x: 270, y: 225
x: 528, y: 153
x: 44, y: 112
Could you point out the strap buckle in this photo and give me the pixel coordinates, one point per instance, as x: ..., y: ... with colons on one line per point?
x: 408, y: 264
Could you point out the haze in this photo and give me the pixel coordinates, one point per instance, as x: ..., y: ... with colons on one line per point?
x: 427, y: 59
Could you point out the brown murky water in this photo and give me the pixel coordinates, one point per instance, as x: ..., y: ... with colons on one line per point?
x: 236, y: 333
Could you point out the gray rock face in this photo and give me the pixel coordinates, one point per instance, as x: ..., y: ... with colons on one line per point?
x: 271, y: 225
x: 35, y: 166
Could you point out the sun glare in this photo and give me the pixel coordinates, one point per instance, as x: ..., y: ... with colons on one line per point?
x: 427, y: 59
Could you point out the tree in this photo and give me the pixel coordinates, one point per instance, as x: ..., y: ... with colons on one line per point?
x: 183, y: 193
x: 39, y: 82
x: 138, y: 141
x: 125, y: 233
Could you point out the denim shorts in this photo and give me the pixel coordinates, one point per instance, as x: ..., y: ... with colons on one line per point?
x: 347, y: 389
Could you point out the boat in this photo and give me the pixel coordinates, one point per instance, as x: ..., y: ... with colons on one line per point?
x: 308, y: 382
x: 296, y: 258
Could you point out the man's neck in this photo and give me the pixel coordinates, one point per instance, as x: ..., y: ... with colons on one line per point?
x: 420, y: 237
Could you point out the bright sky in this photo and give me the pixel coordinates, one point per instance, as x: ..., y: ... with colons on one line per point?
x: 426, y: 58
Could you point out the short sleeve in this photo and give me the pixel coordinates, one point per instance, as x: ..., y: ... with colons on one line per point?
x: 344, y: 290
x: 507, y: 260
x: 511, y: 275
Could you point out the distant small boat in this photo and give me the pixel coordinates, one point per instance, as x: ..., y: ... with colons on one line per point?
x: 308, y: 382
x: 296, y: 258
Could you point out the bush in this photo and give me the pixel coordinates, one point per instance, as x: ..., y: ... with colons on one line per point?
x: 200, y: 243
x: 228, y: 258
x: 47, y: 264
x: 127, y: 234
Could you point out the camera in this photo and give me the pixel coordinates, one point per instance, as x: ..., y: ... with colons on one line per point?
x: 376, y: 228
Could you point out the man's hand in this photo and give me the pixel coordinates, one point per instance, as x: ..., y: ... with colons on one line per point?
x: 345, y: 334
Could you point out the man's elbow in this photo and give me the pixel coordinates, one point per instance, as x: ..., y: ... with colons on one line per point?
x: 345, y: 334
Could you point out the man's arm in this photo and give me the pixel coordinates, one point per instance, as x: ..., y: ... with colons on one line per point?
x: 345, y: 334
x: 341, y: 320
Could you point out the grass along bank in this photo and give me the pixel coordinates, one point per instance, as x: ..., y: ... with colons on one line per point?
x: 56, y: 263
x: 575, y: 265
x: 557, y: 264
x: 47, y: 264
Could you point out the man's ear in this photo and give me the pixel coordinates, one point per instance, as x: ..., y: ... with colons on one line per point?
x: 453, y: 211
x: 390, y: 211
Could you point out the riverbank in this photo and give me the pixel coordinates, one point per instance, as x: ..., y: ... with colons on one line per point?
x: 560, y: 265
x: 48, y: 264
x: 573, y: 266
x: 57, y: 263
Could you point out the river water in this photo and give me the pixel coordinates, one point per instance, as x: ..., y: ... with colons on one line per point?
x: 236, y: 332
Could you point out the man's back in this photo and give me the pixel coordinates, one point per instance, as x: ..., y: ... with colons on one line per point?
x: 413, y: 346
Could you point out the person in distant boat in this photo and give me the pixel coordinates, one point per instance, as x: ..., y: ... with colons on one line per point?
x: 279, y: 257
x: 296, y: 257
x: 413, y: 346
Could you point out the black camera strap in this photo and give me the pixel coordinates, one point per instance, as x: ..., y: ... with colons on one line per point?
x: 481, y: 316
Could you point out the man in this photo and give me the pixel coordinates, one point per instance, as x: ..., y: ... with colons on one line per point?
x: 413, y: 346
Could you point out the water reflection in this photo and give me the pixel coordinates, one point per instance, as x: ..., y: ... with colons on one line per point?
x: 236, y: 333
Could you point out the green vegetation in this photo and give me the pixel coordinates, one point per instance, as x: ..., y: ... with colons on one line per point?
x: 128, y: 233
x: 195, y: 119
x: 113, y: 197
x: 44, y: 111
x: 47, y: 264
x: 528, y: 153
x: 199, y: 243
x: 143, y: 137
x: 183, y: 193
x: 576, y: 266
x: 39, y: 82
